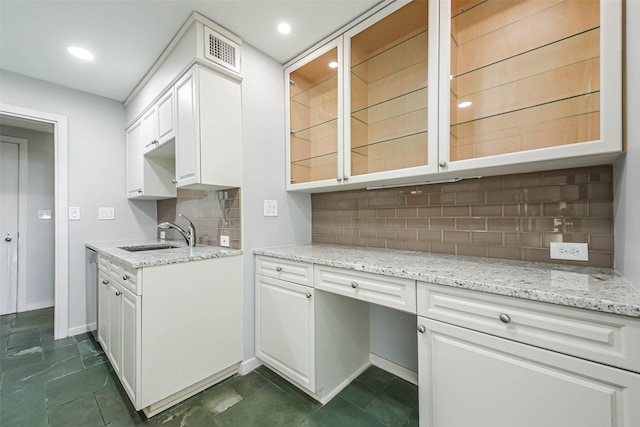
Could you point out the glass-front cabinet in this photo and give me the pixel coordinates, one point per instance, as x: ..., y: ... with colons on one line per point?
x: 528, y: 81
x: 387, y: 85
x: 315, y: 120
x: 428, y: 90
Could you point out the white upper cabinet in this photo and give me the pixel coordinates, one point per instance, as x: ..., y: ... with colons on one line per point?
x: 158, y: 123
x: 208, y: 152
x: 430, y: 90
x: 533, y: 83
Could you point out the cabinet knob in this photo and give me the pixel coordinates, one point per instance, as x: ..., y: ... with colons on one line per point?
x: 442, y: 163
x: 105, y: 282
x: 422, y: 329
x: 139, y: 191
x: 125, y: 277
x: 174, y: 181
x: 339, y: 179
x: 155, y: 141
x: 345, y: 178
x: 118, y: 293
x: 278, y: 269
x: 308, y: 296
x: 354, y: 285
x: 505, y: 318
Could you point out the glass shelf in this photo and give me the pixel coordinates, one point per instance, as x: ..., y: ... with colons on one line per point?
x: 392, y: 154
x: 315, y: 168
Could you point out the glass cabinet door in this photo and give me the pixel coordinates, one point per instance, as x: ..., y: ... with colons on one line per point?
x: 524, y: 75
x: 315, y: 133
x: 388, y: 91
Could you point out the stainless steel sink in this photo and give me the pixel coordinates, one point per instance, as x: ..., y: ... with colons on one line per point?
x: 152, y: 247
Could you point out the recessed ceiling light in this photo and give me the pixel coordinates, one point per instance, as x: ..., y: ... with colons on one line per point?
x: 464, y: 104
x: 333, y: 64
x: 284, y: 28
x: 79, y: 52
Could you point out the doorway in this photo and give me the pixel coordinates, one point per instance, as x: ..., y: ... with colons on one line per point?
x: 29, y: 117
x: 13, y: 158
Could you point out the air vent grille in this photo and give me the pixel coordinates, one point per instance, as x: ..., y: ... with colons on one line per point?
x: 222, y: 51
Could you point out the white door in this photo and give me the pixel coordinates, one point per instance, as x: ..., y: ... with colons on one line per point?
x: 9, y: 170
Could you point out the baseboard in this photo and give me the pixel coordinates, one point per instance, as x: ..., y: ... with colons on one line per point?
x: 77, y: 330
x: 249, y: 365
x: 35, y: 306
x: 392, y: 367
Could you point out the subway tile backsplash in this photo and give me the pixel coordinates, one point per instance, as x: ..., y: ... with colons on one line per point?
x: 213, y: 213
x: 510, y: 216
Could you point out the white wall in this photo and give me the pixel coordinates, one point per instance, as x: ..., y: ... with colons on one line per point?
x: 97, y: 172
x: 264, y: 174
x: 627, y: 169
x: 40, y: 232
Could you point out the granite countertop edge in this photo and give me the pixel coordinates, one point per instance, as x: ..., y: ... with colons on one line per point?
x: 597, y: 289
x: 182, y: 253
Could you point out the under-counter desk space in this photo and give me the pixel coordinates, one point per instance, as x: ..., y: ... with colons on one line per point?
x: 495, y: 338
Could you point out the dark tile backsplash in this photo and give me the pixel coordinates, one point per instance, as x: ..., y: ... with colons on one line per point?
x: 510, y: 216
x: 214, y: 213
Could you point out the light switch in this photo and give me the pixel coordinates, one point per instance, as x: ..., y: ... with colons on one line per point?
x: 106, y: 213
x: 74, y: 213
x: 270, y: 208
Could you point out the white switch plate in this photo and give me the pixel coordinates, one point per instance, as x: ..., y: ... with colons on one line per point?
x: 569, y: 251
x: 270, y: 208
x: 106, y: 213
x: 74, y: 213
x: 224, y: 241
x: 44, y: 214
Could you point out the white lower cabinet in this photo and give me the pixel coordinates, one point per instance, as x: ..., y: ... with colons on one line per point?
x: 489, y: 373
x: 181, y: 336
x: 302, y: 332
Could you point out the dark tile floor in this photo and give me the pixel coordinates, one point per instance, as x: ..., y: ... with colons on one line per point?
x: 69, y: 382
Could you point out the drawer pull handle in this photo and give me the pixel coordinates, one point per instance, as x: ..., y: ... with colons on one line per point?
x: 308, y: 296
x: 118, y: 293
x: 125, y: 277
x: 422, y: 329
x: 278, y: 269
x: 505, y: 318
x: 354, y: 285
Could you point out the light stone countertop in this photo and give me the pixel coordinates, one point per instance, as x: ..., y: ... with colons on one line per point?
x: 598, y: 289
x: 158, y: 257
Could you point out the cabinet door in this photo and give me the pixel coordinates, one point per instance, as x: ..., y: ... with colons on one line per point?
x: 472, y: 379
x: 285, y: 329
x: 135, y: 159
x: 513, y: 95
x: 130, y: 325
x: 150, y: 129
x: 314, y: 119
x: 115, y: 327
x: 387, y: 94
x: 104, y: 312
x: 187, y: 130
x: 165, y: 118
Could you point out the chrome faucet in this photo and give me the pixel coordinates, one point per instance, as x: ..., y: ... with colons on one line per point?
x: 189, y: 235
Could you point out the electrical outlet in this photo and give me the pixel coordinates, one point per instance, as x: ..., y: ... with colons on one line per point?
x: 224, y: 241
x: 569, y: 251
x: 270, y: 208
x: 163, y: 235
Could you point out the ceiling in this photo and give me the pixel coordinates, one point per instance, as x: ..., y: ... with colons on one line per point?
x: 127, y: 36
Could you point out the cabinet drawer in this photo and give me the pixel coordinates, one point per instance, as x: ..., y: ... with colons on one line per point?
x: 126, y: 276
x: 606, y: 338
x: 392, y: 292
x: 291, y: 271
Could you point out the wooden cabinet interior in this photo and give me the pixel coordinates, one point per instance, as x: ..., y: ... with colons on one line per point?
x: 388, y: 80
x: 531, y: 71
x: 314, y: 120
